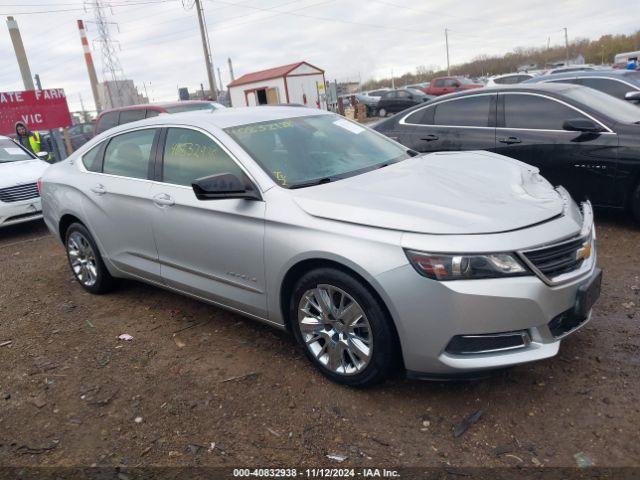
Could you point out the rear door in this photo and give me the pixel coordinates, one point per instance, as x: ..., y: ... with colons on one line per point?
x: 118, y: 204
x: 530, y: 129
x: 466, y: 123
x: 209, y: 248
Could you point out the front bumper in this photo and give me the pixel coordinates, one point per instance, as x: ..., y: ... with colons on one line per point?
x: 429, y: 314
x: 19, y: 212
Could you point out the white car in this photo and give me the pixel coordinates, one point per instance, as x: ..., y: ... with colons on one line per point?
x: 508, y: 79
x: 19, y: 174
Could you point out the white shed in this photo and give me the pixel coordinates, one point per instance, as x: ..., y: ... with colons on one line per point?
x: 295, y: 83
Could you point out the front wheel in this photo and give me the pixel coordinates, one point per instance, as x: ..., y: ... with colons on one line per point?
x: 342, y: 328
x: 85, y: 260
x: 382, y: 113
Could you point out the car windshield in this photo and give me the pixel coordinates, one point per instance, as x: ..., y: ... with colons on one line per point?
x: 315, y: 149
x: 618, y: 110
x: 11, y: 152
x: 191, y: 107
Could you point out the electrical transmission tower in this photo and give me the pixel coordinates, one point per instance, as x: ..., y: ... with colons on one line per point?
x: 111, y: 67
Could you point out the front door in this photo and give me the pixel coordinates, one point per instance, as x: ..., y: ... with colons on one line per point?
x: 117, y: 201
x: 210, y: 248
x: 466, y: 123
x: 530, y: 129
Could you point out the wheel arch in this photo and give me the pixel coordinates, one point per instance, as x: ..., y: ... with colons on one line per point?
x: 299, y: 268
x: 65, y: 222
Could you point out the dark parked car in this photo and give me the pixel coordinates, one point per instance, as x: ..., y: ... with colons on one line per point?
x: 119, y: 116
x: 394, y: 101
x: 578, y: 137
x: 80, y: 134
x: 622, y: 84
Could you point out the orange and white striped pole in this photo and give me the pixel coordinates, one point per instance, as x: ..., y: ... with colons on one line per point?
x: 93, y: 78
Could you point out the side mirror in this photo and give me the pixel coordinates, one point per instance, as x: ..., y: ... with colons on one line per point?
x: 581, y: 125
x: 42, y: 155
x: 632, y: 96
x: 224, y: 185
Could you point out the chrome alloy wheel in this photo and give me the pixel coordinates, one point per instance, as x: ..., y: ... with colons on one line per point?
x: 335, y: 329
x: 83, y: 259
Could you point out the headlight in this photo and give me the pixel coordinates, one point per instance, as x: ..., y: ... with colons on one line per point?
x: 439, y: 266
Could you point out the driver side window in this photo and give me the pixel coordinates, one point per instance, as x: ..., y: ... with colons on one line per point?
x: 189, y: 155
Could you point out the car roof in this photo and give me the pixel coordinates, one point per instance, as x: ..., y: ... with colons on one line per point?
x: 518, y: 87
x: 158, y: 105
x: 613, y: 73
x: 221, y: 119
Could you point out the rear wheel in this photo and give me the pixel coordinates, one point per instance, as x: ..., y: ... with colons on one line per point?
x: 85, y: 260
x: 342, y: 328
x: 382, y: 113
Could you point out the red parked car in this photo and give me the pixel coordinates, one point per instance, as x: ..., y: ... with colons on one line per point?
x: 442, y: 85
x: 117, y: 116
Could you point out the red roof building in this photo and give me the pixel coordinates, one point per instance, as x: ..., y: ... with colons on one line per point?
x: 300, y: 83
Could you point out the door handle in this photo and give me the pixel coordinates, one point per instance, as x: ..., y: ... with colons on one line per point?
x: 430, y: 138
x: 163, y: 200
x: 509, y: 140
x: 99, y: 189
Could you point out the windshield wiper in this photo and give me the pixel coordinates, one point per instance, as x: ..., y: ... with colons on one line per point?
x: 310, y: 183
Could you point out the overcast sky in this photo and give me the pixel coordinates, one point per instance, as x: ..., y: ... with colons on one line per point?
x: 350, y: 39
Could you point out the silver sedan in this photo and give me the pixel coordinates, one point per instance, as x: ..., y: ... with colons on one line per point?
x: 374, y: 257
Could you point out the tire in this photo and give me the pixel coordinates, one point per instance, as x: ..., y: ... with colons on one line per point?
x: 382, y: 113
x: 86, y: 262
x: 352, y: 343
x: 635, y: 204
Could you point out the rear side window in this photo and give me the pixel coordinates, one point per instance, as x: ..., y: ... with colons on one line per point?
x: 152, y: 113
x: 92, y: 160
x: 189, y: 155
x: 536, y: 113
x: 128, y: 154
x: 127, y: 116
x: 439, y: 83
x: 107, y: 121
x: 423, y: 116
x: 465, y: 112
x: 607, y: 85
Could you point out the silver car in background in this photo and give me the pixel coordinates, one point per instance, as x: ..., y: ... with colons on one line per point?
x: 374, y: 257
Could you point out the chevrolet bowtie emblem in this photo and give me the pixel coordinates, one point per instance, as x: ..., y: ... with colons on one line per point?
x: 584, y: 252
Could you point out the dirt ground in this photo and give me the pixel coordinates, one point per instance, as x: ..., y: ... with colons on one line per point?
x: 201, y: 386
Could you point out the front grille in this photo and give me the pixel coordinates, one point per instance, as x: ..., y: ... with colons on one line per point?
x: 557, y: 259
x: 19, y: 193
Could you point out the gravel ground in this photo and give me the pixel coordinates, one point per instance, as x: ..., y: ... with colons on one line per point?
x: 201, y: 386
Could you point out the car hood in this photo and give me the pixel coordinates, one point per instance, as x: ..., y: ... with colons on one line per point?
x: 21, y: 172
x: 439, y: 193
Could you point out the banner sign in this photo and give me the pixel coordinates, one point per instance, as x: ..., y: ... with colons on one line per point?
x: 38, y: 109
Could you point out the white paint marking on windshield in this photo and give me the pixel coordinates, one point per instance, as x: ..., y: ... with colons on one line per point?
x: 14, y: 151
x: 347, y: 125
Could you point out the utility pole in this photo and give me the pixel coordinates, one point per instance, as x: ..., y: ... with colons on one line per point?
x: 231, y: 69
x: 446, y: 41
x: 36, y: 77
x: 206, y: 46
x: 220, y: 89
x: 21, y: 55
x: 566, y: 45
x: 91, y: 69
